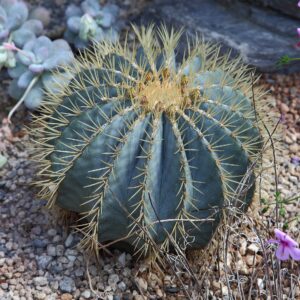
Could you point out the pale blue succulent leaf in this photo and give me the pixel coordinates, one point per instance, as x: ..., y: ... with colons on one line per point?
x: 60, y: 58
x: 25, y: 79
x: 3, y: 15
x: 29, y: 45
x: 91, y: 7
x: 36, y: 26
x: 42, y: 54
x: 73, y: 24
x: 35, y: 97
x: 99, y: 35
x: 61, y: 45
x: 36, y: 68
x: 14, y: 90
x: 111, y: 9
x: 88, y: 27
x: 42, y: 42
x: 26, y: 57
x: 73, y: 11
x: 17, y: 71
x: 21, y: 36
x: 4, y: 34
x: 105, y: 20
x: 17, y: 14
x: 6, y: 4
x: 52, y: 82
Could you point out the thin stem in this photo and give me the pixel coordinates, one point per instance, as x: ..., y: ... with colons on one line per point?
x: 32, y: 83
x: 294, y: 59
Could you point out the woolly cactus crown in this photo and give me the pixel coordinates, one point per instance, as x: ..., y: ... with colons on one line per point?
x: 146, y: 148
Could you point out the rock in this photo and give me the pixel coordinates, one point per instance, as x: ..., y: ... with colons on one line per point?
x: 284, y: 108
x: 243, y: 246
x: 43, y: 261
x: 66, y: 296
x: 260, y: 35
x: 40, y: 281
x: 51, y: 250
x: 9, y: 246
x: 67, y: 285
x: 54, y: 285
x: 86, y: 294
x: 60, y: 249
x: 142, y: 283
x: 287, y: 6
x: 36, y: 230
x: 37, y: 243
x: 93, y: 270
x: 40, y: 296
x: 122, y: 259
x: 2, y: 261
x: 79, y: 272
x: 260, y: 283
x: 225, y: 290
x: 122, y: 286
x: 294, y: 148
x: 4, y: 285
x: 113, y: 279
x: 242, y: 267
x: 51, y: 232
x: 159, y: 293
x: 250, y: 260
x: 253, y: 248
x: 69, y: 240
x: 20, y: 172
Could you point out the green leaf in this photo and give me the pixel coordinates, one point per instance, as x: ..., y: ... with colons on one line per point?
x: 263, y: 201
x: 282, y: 212
x: 265, y: 209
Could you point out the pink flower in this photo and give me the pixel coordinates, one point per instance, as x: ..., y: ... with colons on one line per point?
x: 298, y: 31
x: 286, y: 246
x: 299, y: 4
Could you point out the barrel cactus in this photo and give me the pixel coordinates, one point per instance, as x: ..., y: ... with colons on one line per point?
x: 148, y: 148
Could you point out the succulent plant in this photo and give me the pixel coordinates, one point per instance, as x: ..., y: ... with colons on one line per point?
x: 14, y: 27
x: 147, y: 148
x: 32, y: 73
x: 91, y: 22
x: 13, y: 14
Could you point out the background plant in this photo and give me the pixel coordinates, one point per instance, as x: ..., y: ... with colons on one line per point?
x: 15, y: 27
x: 91, y: 22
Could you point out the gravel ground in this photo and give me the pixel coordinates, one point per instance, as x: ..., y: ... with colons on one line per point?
x: 39, y: 258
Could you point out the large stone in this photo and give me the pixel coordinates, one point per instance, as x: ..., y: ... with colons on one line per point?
x: 260, y: 35
x: 67, y: 285
x: 286, y: 6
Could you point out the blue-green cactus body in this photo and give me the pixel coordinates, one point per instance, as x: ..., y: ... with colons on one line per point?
x: 145, y: 166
